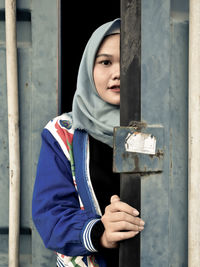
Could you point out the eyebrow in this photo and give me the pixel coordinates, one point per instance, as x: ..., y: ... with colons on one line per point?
x: 103, y: 55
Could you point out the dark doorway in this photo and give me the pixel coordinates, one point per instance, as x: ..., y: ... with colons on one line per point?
x: 78, y: 21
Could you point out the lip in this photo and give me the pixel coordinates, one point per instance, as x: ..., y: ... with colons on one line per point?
x: 115, y: 88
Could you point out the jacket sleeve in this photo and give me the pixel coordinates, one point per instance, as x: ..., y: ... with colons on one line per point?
x: 62, y: 225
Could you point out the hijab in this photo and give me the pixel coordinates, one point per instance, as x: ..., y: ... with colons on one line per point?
x: 89, y: 111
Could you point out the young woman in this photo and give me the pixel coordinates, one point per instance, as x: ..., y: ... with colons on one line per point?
x: 76, y: 204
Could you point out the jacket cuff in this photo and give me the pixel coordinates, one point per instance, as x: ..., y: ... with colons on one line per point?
x: 86, y: 235
x: 96, y: 234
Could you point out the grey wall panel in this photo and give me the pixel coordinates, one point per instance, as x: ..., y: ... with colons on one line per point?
x: 23, y: 4
x: 155, y: 110
x: 24, y: 74
x: 164, y: 103
x: 179, y: 140
x: 37, y: 42
x: 44, y: 96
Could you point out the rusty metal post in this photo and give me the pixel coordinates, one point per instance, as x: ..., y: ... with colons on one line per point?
x: 130, y: 106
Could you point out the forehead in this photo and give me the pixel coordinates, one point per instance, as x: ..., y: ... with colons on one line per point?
x: 111, y: 42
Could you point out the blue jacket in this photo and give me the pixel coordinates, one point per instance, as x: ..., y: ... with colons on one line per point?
x: 64, y: 206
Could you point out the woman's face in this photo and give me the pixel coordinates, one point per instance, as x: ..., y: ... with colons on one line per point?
x: 107, y: 70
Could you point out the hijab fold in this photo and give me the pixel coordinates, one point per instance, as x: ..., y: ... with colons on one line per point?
x: 89, y: 111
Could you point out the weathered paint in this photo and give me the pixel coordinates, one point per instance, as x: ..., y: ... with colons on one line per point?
x: 164, y: 102
x: 130, y: 110
x: 38, y: 98
x: 164, y: 85
x: 130, y: 162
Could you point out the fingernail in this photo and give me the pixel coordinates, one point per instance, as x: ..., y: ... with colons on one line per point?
x: 142, y: 223
x: 114, y: 198
x: 136, y: 213
x: 141, y: 228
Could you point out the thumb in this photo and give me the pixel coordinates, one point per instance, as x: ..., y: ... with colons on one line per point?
x: 114, y: 198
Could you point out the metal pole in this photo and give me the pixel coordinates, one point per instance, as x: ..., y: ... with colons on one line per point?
x: 194, y: 136
x: 13, y: 132
x: 130, y: 110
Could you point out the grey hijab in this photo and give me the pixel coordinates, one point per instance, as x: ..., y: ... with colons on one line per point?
x: 89, y: 111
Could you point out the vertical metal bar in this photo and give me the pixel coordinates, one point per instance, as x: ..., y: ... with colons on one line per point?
x: 130, y: 192
x: 130, y: 61
x: 130, y: 110
x: 194, y: 139
x: 13, y: 132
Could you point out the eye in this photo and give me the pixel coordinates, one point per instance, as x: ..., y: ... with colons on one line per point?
x: 105, y: 62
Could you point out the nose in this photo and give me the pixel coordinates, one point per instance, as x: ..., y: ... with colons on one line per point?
x: 116, y: 72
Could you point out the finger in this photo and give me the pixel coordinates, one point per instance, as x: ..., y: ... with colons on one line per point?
x: 125, y: 226
x: 122, y: 206
x: 119, y: 236
x: 122, y: 216
x: 114, y: 198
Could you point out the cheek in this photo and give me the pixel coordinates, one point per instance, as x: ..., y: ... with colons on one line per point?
x: 95, y: 76
x: 98, y: 78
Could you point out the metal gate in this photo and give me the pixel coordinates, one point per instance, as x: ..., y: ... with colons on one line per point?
x: 157, y: 183
x: 156, y: 55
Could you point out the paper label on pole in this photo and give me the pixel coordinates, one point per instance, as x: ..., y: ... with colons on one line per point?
x: 140, y: 143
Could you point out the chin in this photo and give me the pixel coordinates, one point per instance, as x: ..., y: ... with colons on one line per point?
x: 115, y: 103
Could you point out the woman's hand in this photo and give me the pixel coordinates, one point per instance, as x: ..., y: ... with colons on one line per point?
x: 120, y: 221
